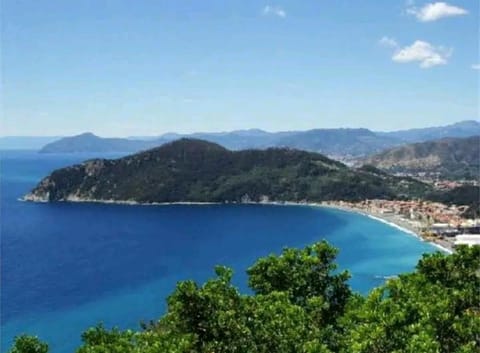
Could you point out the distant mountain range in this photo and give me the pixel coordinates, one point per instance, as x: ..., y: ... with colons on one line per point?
x: 88, y: 142
x: 337, y: 143
x: 449, y: 157
x: 461, y: 129
x: 190, y: 170
x: 341, y: 142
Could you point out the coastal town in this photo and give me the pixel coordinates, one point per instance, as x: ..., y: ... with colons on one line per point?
x: 435, y: 222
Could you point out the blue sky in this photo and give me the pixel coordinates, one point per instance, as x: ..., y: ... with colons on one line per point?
x: 122, y: 68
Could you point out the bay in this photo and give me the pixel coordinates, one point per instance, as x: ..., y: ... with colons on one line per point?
x: 68, y: 266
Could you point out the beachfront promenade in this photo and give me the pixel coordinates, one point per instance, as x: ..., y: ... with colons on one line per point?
x: 433, y: 221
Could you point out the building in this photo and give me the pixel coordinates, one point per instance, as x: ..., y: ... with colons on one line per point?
x: 467, y: 239
x: 443, y: 229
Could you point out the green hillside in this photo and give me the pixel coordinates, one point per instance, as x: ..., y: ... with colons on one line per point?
x: 189, y: 170
x: 449, y: 158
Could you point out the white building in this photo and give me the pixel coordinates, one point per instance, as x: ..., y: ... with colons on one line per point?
x: 467, y: 239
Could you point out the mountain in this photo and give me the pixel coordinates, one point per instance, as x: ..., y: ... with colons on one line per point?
x: 450, y: 157
x: 465, y: 128
x: 190, y: 170
x: 25, y: 142
x: 234, y: 140
x: 88, y: 142
x: 339, y: 143
x: 241, y: 139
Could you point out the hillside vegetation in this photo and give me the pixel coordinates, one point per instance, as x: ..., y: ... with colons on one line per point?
x: 467, y: 195
x: 449, y: 157
x: 301, y: 303
x: 189, y: 170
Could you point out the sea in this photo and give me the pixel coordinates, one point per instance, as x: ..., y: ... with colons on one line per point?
x: 68, y: 266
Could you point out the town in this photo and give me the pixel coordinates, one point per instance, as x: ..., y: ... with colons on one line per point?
x: 433, y: 221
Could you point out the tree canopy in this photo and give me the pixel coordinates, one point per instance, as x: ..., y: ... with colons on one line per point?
x: 301, y: 302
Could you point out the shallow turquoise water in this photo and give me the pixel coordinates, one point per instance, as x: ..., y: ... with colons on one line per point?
x: 66, y: 266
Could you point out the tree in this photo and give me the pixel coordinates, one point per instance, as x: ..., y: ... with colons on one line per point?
x: 435, y: 309
x: 304, y: 274
x: 212, y: 315
x: 302, y: 304
x: 28, y: 344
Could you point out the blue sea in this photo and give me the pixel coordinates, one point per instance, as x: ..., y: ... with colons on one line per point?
x: 68, y: 266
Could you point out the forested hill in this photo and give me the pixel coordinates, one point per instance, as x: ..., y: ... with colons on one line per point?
x: 190, y: 170
x: 450, y: 157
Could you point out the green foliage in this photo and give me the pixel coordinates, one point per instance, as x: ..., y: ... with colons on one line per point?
x: 305, y: 275
x: 98, y: 339
x: 435, y: 309
x: 219, y: 319
x: 195, y: 170
x: 213, y: 315
x: 448, y: 158
x: 302, y: 304
x: 28, y: 344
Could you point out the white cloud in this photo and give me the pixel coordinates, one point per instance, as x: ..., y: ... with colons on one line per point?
x: 424, y: 53
x: 476, y: 66
x: 435, y: 11
x: 388, y: 42
x: 274, y: 10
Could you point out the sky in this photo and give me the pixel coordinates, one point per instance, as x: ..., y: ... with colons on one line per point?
x: 147, y: 67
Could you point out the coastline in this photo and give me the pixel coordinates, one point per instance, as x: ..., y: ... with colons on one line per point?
x: 390, y: 220
x: 118, y: 202
x: 393, y: 222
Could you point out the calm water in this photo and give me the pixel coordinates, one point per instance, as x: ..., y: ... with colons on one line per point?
x: 66, y: 267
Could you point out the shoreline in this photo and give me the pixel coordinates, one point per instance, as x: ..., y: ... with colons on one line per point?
x: 118, y: 202
x: 395, y: 223
x: 390, y: 220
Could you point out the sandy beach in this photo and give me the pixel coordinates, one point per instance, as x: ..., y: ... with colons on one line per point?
x: 394, y: 221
